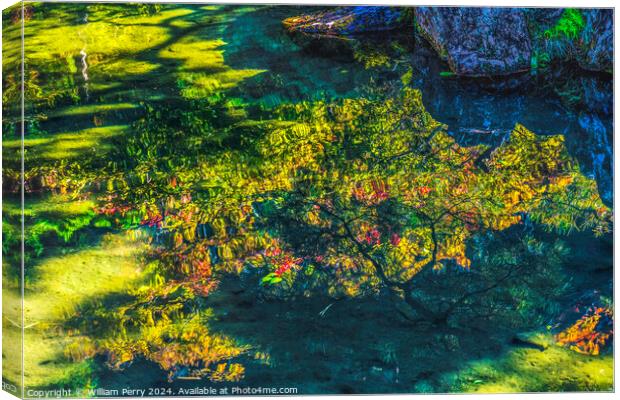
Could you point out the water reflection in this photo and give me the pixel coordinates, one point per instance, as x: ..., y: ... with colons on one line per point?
x: 176, y: 126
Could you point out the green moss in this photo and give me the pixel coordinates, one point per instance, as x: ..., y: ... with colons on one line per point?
x: 56, y: 205
x: 49, y: 222
x: 569, y: 25
x: 532, y: 370
x: 102, y: 36
x: 203, y: 55
x: 11, y: 315
x: 71, y: 280
x: 92, y: 109
x: 111, y: 266
x: 64, y: 146
x: 128, y: 69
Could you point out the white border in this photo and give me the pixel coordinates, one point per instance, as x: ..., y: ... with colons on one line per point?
x: 495, y: 3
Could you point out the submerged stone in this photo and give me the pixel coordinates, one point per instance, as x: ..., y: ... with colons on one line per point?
x: 346, y: 21
x: 336, y: 33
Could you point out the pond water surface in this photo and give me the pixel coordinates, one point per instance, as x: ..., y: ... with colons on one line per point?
x: 107, y: 64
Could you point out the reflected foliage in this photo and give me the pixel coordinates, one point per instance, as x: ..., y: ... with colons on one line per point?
x: 357, y: 200
x: 591, y: 332
x: 350, y: 197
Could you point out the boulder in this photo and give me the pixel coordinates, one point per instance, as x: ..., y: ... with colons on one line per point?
x: 543, y: 18
x: 346, y: 21
x: 597, y: 40
x: 478, y: 41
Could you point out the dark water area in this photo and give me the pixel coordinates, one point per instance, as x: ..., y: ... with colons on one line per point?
x: 117, y: 69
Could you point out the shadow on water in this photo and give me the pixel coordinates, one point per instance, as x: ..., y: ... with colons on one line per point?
x: 322, y: 345
x: 357, y: 346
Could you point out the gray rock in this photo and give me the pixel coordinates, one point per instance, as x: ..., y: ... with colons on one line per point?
x: 543, y: 18
x: 478, y: 41
x: 597, y: 40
